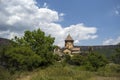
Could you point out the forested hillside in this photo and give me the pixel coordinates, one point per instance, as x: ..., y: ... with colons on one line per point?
x: 4, y: 42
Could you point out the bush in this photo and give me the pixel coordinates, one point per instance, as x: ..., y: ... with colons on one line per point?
x: 57, y: 57
x: 95, y: 61
x: 77, y: 60
x: 4, y: 74
x: 22, y: 58
x: 116, y: 57
x: 67, y: 58
x: 47, y: 58
x: 110, y: 69
x: 92, y: 61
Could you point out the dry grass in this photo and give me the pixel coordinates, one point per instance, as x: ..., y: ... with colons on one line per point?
x: 104, y: 78
x: 66, y: 72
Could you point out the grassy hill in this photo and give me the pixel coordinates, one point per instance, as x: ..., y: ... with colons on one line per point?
x: 68, y: 72
x: 65, y: 71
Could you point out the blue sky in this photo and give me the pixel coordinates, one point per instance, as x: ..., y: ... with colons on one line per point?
x: 90, y: 22
x: 101, y: 14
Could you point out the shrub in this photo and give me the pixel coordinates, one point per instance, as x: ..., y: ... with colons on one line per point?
x: 4, y: 74
x: 67, y: 58
x: 77, y: 60
x: 22, y: 58
x: 110, y: 69
x: 116, y: 57
x: 95, y: 61
x: 57, y: 57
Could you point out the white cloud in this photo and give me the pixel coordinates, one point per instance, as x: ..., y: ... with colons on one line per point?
x: 45, y: 5
x: 61, y: 14
x: 116, y: 10
x: 16, y: 16
x: 112, y: 41
x: 78, y: 32
x: 76, y: 41
x: 13, y: 19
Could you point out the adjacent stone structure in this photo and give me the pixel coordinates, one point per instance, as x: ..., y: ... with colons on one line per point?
x: 71, y: 49
x: 69, y: 46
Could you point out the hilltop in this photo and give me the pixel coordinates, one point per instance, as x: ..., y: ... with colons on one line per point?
x: 4, y: 42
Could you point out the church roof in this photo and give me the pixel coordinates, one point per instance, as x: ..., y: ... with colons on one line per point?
x: 69, y: 37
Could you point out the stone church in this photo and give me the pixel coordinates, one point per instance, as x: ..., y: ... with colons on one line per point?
x: 69, y: 47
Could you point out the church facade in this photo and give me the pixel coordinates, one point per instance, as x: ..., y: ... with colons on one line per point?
x: 69, y: 47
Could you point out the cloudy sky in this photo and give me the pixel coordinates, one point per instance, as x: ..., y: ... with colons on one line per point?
x: 90, y: 22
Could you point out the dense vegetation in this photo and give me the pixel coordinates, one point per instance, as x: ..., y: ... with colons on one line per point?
x: 92, y: 61
x: 58, y: 71
x: 35, y: 51
x: 32, y: 50
x: 116, y: 57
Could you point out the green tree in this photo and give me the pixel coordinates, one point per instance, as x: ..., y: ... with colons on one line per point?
x: 116, y: 57
x: 41, y: 44
x: 4, y: 74
x: 77, y: 60
x: 22, y: 58
x: 33, y: 50
x: 95, y: 61
x: 36, y: 40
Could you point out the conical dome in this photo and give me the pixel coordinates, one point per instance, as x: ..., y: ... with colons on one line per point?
x: 69, y: 38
